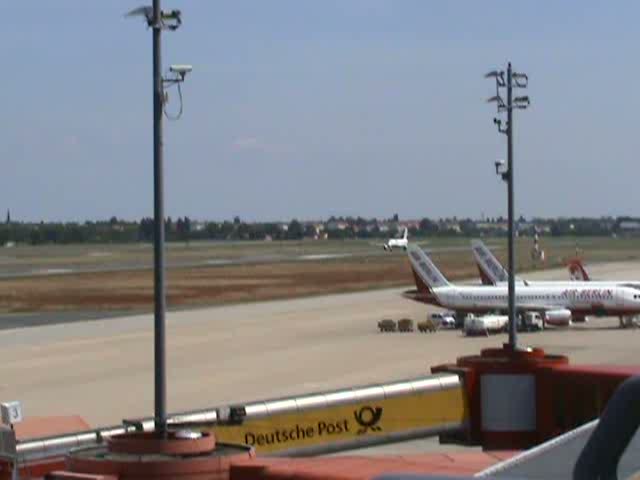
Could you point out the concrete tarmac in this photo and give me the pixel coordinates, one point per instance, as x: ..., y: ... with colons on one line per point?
x: 102, y: 370
x: 45, y: 266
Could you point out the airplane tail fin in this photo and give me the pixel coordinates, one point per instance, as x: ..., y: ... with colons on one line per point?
x: 405, y: 235
x: 491, y: 270
x: 426, y: 274
x: 577, y: 271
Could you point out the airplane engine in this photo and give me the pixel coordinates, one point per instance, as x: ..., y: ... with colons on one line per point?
x: 558, y: 318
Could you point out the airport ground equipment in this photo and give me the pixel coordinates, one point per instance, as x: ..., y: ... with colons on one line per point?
x: 405, y: 325
x: 444, y: 319
x: 387, y: 325
x: 427, y: 326
x: 532, y: 322
x: 485, y: 324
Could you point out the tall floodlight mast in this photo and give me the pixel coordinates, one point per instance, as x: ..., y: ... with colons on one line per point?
x: 512, y: 81
x: 158, y: 21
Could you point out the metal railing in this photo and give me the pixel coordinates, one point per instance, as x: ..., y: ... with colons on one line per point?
x: 48, y: 447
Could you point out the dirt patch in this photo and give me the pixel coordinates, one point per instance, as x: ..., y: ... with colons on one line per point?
x: 211, y: 285
x: 199, y: 286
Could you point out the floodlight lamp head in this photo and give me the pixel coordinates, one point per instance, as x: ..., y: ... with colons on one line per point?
x: 522, y: 77
x: 146, y: 12
x: 493, y: 74
x: 522, y: 102
x: 521, y: 81
x: 181, y: 69
x: 171, y: 19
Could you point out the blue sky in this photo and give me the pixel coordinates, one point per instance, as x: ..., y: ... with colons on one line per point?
x: 311, y: 109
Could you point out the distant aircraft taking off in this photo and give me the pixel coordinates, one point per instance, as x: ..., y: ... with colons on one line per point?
x: 397, y: 242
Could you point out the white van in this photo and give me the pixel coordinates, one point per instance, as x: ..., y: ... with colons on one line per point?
x: 532, y: 321
x: 443, y: 320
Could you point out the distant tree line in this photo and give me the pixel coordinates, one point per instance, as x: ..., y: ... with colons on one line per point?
x: 183, y: 229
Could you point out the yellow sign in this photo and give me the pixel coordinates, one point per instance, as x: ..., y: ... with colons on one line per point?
x: 286, y: 431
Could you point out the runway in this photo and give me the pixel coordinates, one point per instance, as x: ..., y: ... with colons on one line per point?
x: 12, y: 266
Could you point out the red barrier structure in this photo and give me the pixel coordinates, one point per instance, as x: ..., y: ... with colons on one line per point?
x: 521, y: 398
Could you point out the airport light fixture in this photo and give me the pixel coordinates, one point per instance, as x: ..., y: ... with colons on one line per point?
x: 159, y: 20
x: 513, y: 80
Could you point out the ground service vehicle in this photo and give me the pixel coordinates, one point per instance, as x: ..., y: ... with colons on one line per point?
x: 532, y: 322
x: 427, y: 326
x: 485, y: 324
x: 443, y: 319
x: 387, y: 325
x: 405, y: 325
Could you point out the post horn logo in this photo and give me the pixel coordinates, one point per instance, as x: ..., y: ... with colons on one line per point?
x: 368, y: 419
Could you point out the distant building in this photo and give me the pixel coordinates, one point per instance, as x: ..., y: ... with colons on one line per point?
x: 409, y: 224
x: 197, y: 226
x: 629, y: 226
x: 337, y: 225
x: 450, y: 226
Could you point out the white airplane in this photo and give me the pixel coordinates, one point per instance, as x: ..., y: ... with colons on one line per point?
x: 492, y: 272
x: 557, y: 303
x: 577, y: 271
x: 392, y: 243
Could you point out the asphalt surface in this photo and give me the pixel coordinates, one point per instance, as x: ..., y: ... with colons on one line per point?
x: 11, y: 321
x: 105, y: 261
x: 102, y: 370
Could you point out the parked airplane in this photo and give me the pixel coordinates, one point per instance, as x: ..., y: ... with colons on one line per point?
x: 491, y: 270
x: 401, y: 242
x: 493, y: 273
x: 556, y: 303
x: 577, y: 270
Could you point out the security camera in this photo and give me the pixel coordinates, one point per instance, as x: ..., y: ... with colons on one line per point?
x: 181, y: 70
x: 498, y: 164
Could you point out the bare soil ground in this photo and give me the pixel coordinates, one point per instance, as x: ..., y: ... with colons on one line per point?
x: 197, y: 286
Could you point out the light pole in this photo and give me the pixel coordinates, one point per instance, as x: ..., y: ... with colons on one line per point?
x: 159, y: 20
x: 513, y: 80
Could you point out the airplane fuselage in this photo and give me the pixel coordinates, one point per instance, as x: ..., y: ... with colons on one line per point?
x: 592, y: 299
x: 396, y: 243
